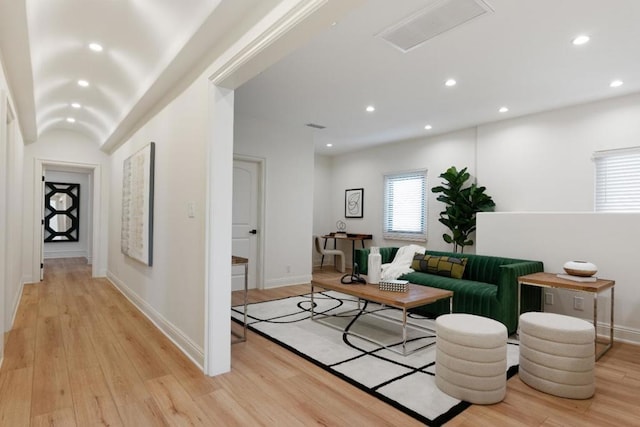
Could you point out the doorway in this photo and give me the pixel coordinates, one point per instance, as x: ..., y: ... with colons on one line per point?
x: 93, y: 212
x: 247, y: 229
x: 67, y: 214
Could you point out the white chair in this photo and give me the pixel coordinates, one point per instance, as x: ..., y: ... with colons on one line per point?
x: 334, y: 252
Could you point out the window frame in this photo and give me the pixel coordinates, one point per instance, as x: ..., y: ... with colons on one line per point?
x: 614, y: 189
x: 387, y: 232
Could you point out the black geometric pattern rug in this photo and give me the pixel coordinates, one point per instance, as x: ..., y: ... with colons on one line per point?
x: 405, y: 382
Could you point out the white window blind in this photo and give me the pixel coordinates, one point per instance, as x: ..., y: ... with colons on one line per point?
x: 617, y: 180
x: 405, y: 206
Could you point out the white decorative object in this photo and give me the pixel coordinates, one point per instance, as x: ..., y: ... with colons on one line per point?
x: 394, y: 285
x: 374, y: 267
x: 580, y: 268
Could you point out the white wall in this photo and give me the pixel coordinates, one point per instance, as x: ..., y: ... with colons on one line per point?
x: 322, y: 206
x: 81, y: 248
x: 171, y: 292
x: 536, y: 163
x: 366, y: 169
x: 607, y: 240
x: 289, y: 160
x: 542, y: 162
x: 11, y: 161
x: 61, y: 147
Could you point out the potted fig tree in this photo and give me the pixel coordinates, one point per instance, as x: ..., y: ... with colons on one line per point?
x: 462, y: 202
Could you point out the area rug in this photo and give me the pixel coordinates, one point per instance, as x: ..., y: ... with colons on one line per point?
x: 405, y: 382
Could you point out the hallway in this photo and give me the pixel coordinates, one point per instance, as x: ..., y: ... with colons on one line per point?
x: 80, y: 354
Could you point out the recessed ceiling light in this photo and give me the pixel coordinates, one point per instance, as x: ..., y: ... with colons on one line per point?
x: 616, y: 83
x: 450, y: 82
x: 71, y: 120
x: 581, y: 39
x: 371, y: 108
x: 83, y: 83
x: 329, y: 145
x: 428, y: 127
x: 75, y: 105
x: 503, y: 109
x: 95, y: 47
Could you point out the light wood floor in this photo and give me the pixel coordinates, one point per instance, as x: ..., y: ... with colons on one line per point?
x: 80, y: 354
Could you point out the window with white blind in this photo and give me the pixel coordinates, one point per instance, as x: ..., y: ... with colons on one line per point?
x: 617, y: 180
x: 405, y: 206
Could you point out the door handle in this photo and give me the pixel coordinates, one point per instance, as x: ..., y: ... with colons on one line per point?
x: 254, y: 231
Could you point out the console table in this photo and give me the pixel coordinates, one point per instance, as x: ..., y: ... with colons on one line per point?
x: 236, y: 260
x: 550, y: 280
x: 353, y: 237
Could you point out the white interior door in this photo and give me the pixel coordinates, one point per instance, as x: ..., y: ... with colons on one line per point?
x: 42, y: 228
x: 245, y: 233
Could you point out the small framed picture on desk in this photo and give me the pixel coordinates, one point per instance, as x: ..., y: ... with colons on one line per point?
x: 353, y: 202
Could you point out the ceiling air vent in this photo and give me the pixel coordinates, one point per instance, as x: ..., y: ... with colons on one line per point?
x: 437, y: 18
x: 315, y: 126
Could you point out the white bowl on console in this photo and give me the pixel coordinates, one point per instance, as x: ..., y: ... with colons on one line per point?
x: 580, y: 268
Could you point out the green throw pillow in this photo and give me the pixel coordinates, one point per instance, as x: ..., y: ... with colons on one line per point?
x: 440, y: 265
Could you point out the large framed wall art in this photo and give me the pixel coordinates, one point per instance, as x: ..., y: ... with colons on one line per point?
x: 137, y: 205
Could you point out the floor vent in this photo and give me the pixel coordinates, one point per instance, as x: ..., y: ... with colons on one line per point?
x: 437, y: 18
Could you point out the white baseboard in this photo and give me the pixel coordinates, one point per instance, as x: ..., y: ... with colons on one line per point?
x: 179, y: 338
x: 620, y: 333
x: 65, y: 254
x: 16, y: 305
x: 287, y: 281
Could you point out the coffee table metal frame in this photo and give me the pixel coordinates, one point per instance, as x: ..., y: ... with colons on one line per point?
x: 319, y: 317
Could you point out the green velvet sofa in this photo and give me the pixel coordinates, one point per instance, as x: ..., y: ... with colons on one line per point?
x: 488, y: 287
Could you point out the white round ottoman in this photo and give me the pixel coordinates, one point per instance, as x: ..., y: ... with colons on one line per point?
x: 557, y: 354
x: 471, y: 358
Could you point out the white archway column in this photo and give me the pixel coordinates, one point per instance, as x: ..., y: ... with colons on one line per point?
x: 218, y: 224
x: 287, y: 26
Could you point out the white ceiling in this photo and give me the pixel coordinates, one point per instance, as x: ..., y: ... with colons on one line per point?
x: 150, y: 48
x: 519, y: 56
x: 140, y: 38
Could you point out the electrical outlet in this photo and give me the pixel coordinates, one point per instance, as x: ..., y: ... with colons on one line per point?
x: 548, y: 298
x: 578, y: 303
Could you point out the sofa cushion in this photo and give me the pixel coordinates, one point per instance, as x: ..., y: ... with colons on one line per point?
x: 440, y: 265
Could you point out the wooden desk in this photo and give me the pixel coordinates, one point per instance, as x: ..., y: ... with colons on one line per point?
x: 353, y: 237
x: 550, y: 280
x: 236, y: 260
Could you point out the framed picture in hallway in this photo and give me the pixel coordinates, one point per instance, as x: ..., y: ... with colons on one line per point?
x: 353, y: 200
x: 137, y: 205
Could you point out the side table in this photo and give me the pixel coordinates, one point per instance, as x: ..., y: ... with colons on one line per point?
x: 236, y: 260
x: 550, y: 280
